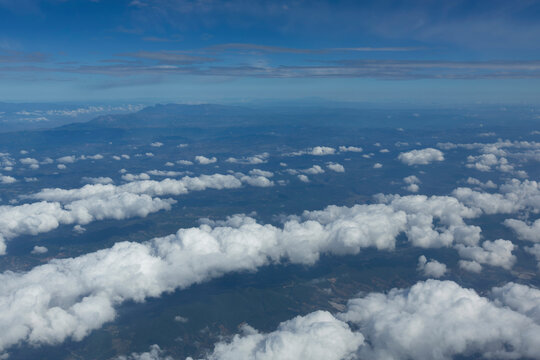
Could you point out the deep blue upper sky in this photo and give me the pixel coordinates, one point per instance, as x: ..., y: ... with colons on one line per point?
x: 179, y: 50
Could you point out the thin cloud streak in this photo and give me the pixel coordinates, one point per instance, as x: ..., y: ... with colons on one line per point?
x: 280, y: 49
x: 179, y: 64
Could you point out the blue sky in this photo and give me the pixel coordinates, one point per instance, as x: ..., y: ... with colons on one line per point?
x: 233, y: 51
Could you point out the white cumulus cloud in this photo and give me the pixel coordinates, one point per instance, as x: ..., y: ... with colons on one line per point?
x: 203, y: 160
x: 431, y: 268
x: 431, y: 320
x: 421, y: 157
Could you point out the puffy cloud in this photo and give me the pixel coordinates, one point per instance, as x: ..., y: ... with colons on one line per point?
x: 204, y: 160
x: 91, y: 157
x: 291, y: 171
x: 29, y: 161
x: 471, y: 266
x: 149, y: 187
x: 123, y: 156
x: 259, y: 181
x: 37, y: 250
x: 30, y: 219
x: 67, y: 159
x: 520, y: 298
x: 250, y: 160
x: 487, y: 134
x: 61, y: 166
x: 133, y: 177
x: 421, y: 157
x: 483, y: 162
x: 494, y: 253
x: 431, y: 268
x: 94, y: 202
x: 315, y: 169
x: 317, y: 151
x: 318, y: 335
x: 184, y: 162
x: 79, y: 229
x: 523, y: 230
x: 486, y: 162
x: 5, y: 179
x: 322, y: 150
x: 488, y: 184
x: 181, y: 319
x: 535, y: 251
x: 494, y: 155
x: 97, y: 180
x: 487, y: 202
x: 412, y: 183
x: 118, y: 207
x: 421, y: 212
x: 303, y: 178
x: 513, y: 196
x: 494, y: 148
x: 258, y: 172
x: 165, y: 173
x: 6, y: 161
x: 439, y: 320
x: 500, y: 147
x: 350, y: 149
x: 431, y: 320
x: 377, y: 166
x: 156, y: 144
x: 335, y: 167
x: 71, y: 297
x: 412, y: 188
x: 43, y: 216
x: 412, y: 179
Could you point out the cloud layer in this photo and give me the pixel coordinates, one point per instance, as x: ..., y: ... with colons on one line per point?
x: 431, y: 320
x: 98, y: 201
x: 71, y: 297
x: 421, y: 157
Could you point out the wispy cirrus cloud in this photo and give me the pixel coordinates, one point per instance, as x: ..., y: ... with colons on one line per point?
x: 176, y: 63
x: 246, y: 47
x: 13, y: 56
x: 168, y: 57
x: 156, y: 63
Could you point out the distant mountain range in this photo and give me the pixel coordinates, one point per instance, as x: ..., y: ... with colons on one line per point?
x: 213, y: 120
x: 178, y: 115
x: 35, y: 116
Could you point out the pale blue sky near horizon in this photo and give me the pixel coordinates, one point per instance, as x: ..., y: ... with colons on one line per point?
x: 237, y: 50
